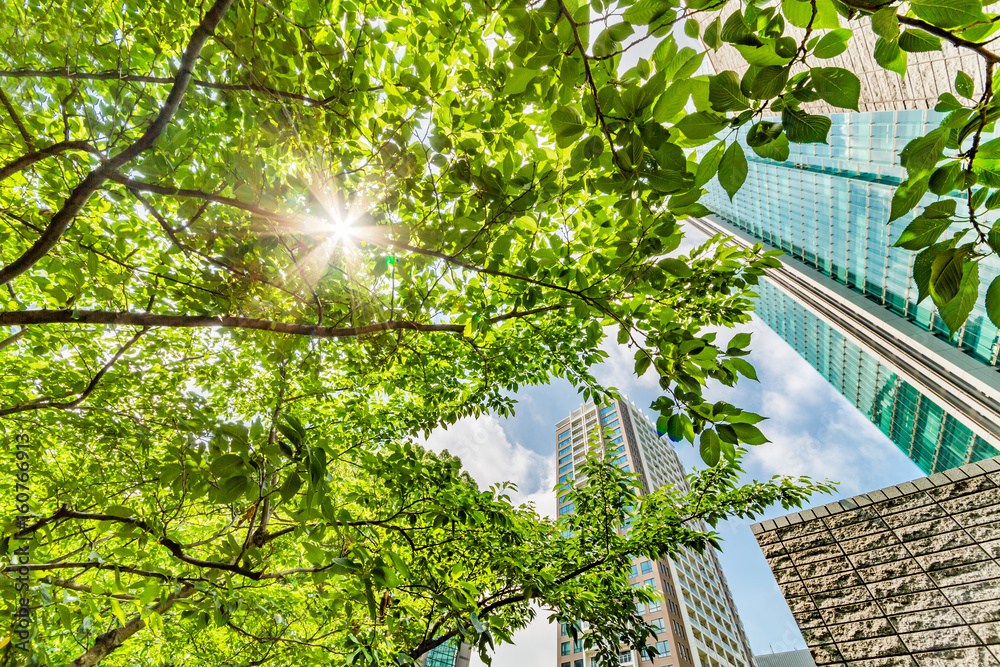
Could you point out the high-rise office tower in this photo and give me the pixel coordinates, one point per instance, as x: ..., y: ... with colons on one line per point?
x: 845, y: 300
x: 696, y: 617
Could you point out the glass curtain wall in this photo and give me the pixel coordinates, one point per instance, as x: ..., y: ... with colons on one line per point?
x: 934, y: 440
x: 828, y: 206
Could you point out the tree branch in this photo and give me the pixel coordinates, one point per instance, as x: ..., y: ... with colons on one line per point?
x: 26, y: 161
x: 117, y: 75
x: 109, y: 641
x: 26, y: 317
x: 61, y: 220
x: 13, y: 338
x: 985, y: 53
x: 151, y: 320
x: 17, y: 120
x: 43, y: 403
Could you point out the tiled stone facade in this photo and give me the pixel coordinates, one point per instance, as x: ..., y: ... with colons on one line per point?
x: 907, y: 576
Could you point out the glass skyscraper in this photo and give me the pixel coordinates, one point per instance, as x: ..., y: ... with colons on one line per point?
x: 449, y: 654
x: 919, y: 426
x: 845, y: 298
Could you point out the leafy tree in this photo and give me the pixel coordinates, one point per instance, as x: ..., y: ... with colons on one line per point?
x: 251, y: 248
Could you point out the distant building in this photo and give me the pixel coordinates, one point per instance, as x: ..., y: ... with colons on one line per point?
x: 697, y: 621
x: 905, y: 576
x: 449, y: 654
x: 800, y: 658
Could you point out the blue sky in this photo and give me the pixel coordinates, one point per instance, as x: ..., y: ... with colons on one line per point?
x: 813, y: 430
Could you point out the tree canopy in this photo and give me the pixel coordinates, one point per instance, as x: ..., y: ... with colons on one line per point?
x: 250, y: 248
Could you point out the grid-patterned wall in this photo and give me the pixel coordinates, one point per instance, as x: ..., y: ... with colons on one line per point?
x: 933, y: 439
x: 902, y: 577
x: 828, y: 205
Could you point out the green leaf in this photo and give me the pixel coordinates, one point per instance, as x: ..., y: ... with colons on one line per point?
x: 669, y: 181
x: 672, y: 101
x: 687, y: 66
x: 568, y: 125
x: 739, y: 342
x: 762, y: 133
x: 709, y: 165
x: 675, y: 266
x: 670, y: 156
x: 948, y: 13
x: 476, y: 623
x: 964, y: 85
x: 977, y: 198
x: 749, y: 434
x: 804, y: 128
x: 918, y: 41
x: 777, y: 149
x: 922, y: 232
x: 944, y: 178
x: 593, y: 147
x: 948, y: 102
x: 885, y: 23
x: 710, y: 447
x: 744, y: 367
x: 907, y: 196
x: 645, y: 12
x: 921, y: 155
x: 800, y: 14
x: 946, y: 275
x: 118, y: 510
x: 713, y: 35
x: 735, y: 31
x: 692, y: 29
x: 957, y: 310
x: 116, y: 609
x: 642, y: 362
x: 890, y: 56
x: 769, y: 82
x: 989, y: 150
x: 370, y: 598
x: 291, y: 486
x: 724, y: 93
x: 832, y: 43
x: 702, y: 124
x: 837, y: 86
x: 993, y: 302
x: 226, y: 465
x: 233, y: 489
x: 518, y: 80
x: 762, y: 56
x: 733, y: 169
x: 922, y: 267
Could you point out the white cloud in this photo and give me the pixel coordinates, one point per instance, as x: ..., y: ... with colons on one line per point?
x: 534, y: 646
x: 813, y: 429
x: 491, y: 458
x: 618, y: 370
